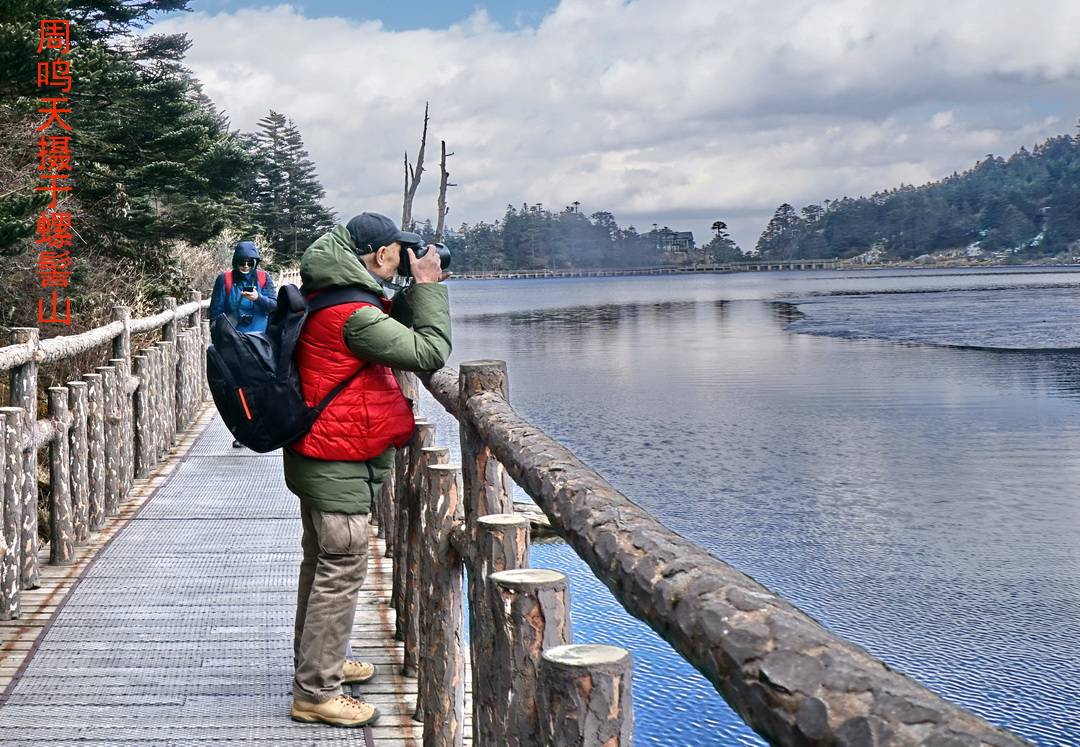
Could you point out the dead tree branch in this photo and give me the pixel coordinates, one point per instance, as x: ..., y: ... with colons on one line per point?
x: 412, y: 177
x: 444, y: 182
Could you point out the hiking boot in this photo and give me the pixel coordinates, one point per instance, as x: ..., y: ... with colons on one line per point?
x: 356, y: 672
x: 339, y: 711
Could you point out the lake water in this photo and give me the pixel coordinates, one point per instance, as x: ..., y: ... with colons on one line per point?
x: 896, y: 452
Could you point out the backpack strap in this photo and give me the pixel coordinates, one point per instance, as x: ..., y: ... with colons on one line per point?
x: 336, y: 296
x: 261, y: 275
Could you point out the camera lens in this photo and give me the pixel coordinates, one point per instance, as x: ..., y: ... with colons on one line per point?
x: 404, y: 270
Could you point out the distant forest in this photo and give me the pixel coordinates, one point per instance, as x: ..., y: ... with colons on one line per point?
x: 1008, y: 210
x: 1023, y: 207
x: 531, y: 237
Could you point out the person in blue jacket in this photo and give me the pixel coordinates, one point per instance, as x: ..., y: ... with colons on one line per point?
x: 245, y: 293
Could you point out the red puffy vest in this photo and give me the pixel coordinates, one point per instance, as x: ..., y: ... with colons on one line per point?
x: 369, y: 415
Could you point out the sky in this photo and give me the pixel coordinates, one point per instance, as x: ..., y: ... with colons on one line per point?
x: 674, y: 112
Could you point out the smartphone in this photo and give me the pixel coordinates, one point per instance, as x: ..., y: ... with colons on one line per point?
x: 248, y: 289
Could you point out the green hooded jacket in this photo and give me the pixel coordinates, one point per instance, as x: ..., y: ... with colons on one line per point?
x: 414, y: 337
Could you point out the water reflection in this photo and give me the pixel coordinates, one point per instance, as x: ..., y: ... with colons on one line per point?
x: 919, y: 499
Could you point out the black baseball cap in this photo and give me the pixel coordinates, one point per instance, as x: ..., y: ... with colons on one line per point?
x: 370, y: 231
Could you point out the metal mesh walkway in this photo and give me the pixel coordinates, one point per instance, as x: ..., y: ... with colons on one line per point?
x: 180, y: 633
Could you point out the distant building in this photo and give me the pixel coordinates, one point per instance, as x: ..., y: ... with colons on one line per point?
x: 674, y: 241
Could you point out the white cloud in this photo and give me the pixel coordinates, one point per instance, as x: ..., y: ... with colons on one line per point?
x: 670, y: 111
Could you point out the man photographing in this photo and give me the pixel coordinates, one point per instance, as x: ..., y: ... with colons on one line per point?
x: 339, y: 466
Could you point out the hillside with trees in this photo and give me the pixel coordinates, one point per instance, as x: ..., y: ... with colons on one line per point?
x: 1023, y: 207
x: 160, y: 186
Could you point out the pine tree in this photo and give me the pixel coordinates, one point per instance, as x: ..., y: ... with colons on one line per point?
x: 780, y: 238
x: 154, y: 164
x: 286, y: 191
x: 722, y: 248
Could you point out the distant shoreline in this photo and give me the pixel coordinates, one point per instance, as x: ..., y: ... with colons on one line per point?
x: 816, y: 265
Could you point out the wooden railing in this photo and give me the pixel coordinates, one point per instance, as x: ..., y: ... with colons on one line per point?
x: 789, y: 678
x: 102, y: 430
x: 530, y: 684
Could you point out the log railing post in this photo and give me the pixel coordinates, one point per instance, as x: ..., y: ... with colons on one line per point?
x: 186, y: 381
x: 153, y: 397
x: 196, y: 316
x: 24, y: 394
x: 386, y: 510
x: 441, y: 688
x: 168, y: 342
x: 95, y: 448
x: 144, y: 447
x: 584, y: 697
x: 10, y: 564
x: 168, y: 391
x: 403, y: 502
x: 396, y: 490
x: 80, y: 482
x: 61, y: 526
x: 202, y: 353
x: 409, y: 553
x: 195, y: 358
x: 113, y: 434
x: 179, y: 401
x: 196, y: 375
x: 121, y: 344
x: 488, y: 487
x: 501, y: 544
x: 389, y: 519
x: 121, y: 361
x: 531, y: 611
x: 488, y: 491
x: 192, y: 391
x: 125, y: 412
x: 407, y: 382
x: 168, y: 330
x: 429, y: 457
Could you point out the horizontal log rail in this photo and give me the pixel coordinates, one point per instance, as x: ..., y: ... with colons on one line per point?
x: 789, y: 678
x: 102, y: 430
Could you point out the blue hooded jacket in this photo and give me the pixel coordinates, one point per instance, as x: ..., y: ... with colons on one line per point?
x: 235, y: 305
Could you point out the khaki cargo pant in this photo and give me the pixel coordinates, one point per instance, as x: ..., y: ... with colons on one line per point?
x: 331, y: 574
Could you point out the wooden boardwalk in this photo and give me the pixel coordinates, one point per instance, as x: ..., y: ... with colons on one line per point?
x: 175, y: 625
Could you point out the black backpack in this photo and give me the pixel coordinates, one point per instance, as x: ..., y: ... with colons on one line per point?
x: 253, y: 378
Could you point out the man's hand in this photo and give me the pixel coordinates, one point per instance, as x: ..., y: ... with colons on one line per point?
x: 427, y: 269
x: 250, y: 295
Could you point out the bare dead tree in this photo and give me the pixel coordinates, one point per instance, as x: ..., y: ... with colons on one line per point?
x: 412, y: 177
x: 444, y: 182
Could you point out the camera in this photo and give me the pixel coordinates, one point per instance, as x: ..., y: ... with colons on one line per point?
x: 405, y: 271
x: 248, y: 289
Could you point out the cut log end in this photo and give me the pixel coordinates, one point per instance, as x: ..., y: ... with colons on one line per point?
x: 503, y: 520
x: 527, y: 579
x: 586, y: 655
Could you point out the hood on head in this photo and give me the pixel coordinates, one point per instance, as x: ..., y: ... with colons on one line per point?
x: 248, y: 250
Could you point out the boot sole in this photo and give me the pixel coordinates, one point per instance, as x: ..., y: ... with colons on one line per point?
x: 359, y: 682
x: 314, y: 719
